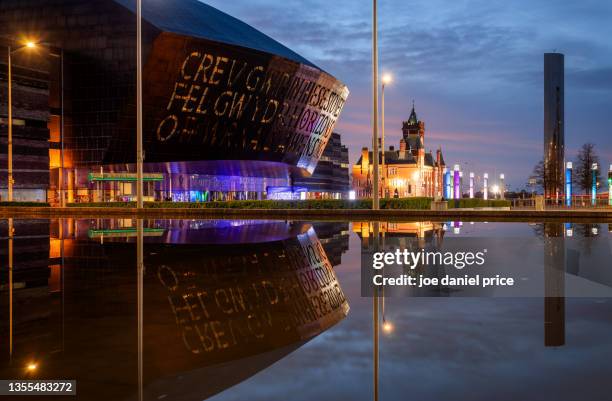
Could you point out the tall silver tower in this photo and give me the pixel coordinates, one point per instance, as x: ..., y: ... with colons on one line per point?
x: 554, y: 121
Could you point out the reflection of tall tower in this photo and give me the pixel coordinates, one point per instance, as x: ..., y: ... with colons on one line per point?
x: 554, y: 120
x: 554, y: 283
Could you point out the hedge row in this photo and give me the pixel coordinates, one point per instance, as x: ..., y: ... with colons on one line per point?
x: 474, y: 203
x: 408, y: 203
x: 405, y: 203
x: 24, y: 204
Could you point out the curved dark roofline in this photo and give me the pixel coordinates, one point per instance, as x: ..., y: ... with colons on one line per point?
x: 194, y: 18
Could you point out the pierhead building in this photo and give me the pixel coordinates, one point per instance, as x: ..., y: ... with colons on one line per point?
x: 409, y: 171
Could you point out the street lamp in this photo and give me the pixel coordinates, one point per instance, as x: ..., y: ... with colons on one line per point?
x: 375, y: 195
x: 386, y: 80
x: 60, y: 55
x: 139, y: 151
x: 502, y: 178
x: 10, y: 51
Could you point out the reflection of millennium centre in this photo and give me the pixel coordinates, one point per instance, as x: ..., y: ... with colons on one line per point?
x: 229, y: 113
x: 215, y: 310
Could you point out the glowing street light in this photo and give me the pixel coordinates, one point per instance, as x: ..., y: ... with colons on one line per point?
x: 387, y: 327
x: 10, y: 52
x: 31, y: 45
x: 32, y: 366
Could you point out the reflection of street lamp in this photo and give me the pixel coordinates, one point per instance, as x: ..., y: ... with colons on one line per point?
x: 11, y: 234
x: 386, y: 79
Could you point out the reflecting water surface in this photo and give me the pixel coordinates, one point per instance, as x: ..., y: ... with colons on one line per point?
x: 259, y: 310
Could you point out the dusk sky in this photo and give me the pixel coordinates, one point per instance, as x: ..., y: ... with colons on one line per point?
x: 473, y: 67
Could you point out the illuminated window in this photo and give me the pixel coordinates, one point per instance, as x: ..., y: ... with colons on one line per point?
x: 16, y: 121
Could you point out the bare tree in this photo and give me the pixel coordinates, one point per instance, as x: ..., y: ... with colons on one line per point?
x: 536, y: 179
x: 583, y: 173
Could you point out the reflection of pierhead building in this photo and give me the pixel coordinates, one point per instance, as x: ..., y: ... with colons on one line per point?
x: 407, y: 172
x: 228, y: 111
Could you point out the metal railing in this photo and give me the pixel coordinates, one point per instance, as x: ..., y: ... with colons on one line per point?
x: 578, y: 202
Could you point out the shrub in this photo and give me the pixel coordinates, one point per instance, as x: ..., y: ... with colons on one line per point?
x: 407, y: 203
x: 390, y: 203
x: 475, y: 203
x: 24, y: 204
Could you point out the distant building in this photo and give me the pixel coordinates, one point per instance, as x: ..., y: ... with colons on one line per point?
x: 408, y: 172
x: 554, y: 121
x: 32, y: 145
x: 331, y: 178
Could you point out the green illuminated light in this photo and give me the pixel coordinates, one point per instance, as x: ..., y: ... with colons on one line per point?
x: 124, y: 232
x: 115, y: 177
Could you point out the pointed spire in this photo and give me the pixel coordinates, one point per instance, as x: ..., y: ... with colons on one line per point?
x: 413, y: 119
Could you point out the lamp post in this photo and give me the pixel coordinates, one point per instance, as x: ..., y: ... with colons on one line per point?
x: 486, y: 186
x: 139, y: 151
x: 10, y: 179
x: 10, y: 127
x: 61, y: 170
x: 375, y: 194
x: 502, y: 188
x: 569, y: 166
x: 386, y: 79
x: 594, y: 169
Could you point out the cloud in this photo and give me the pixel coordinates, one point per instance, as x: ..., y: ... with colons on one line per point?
x: 473, y: 66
